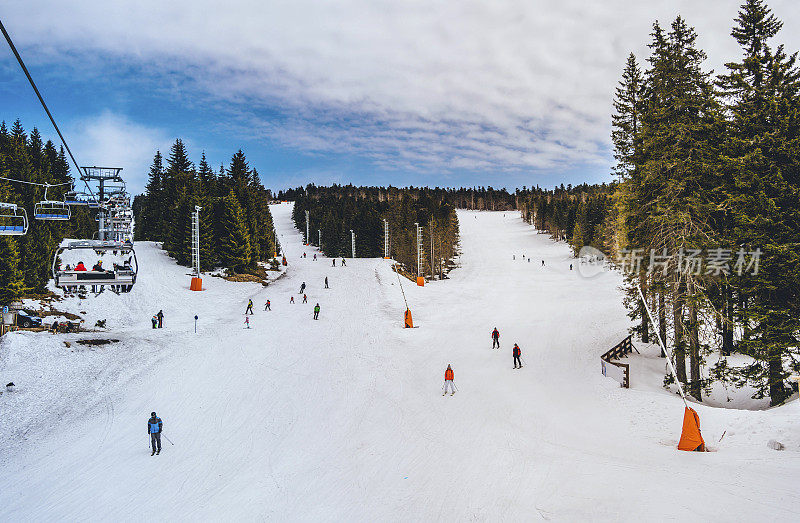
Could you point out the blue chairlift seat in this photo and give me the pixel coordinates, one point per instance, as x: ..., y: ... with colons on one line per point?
x: 51, y: 210
x: 13, y: 220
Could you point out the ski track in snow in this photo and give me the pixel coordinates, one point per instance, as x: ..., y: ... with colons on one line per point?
x: 344, y: 419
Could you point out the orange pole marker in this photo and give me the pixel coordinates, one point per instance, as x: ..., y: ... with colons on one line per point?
x: 408, y: 321
x: 197, y: 284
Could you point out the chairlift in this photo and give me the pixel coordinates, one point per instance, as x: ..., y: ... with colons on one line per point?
x: 13, y: 220
x: 120, y: 278
x: 51, y: 209
x: 79, y: 199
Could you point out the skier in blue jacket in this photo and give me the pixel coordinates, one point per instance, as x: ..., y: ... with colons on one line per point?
x: 154, y: 426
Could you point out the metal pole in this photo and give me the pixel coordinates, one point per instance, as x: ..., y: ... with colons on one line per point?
x: 419, y: 240
x: 385, y: 239
x: 430, y: 230
x: 196, y: 240
x: 353, y: 242
x: 319, y: 232
x: 101, y: 215
x: 308, y: 239
x: 668, y: 354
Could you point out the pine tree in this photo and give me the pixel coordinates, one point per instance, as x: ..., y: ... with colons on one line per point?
x: 764, y: 152
x: 626, y: 121
x: 12, y: 284
x: 150, y: 220
x: 234, y: 246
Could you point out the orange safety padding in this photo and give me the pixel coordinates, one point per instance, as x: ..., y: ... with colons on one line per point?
x: 409, y: 321
x: 197, y: 284
x: 420, y: 281
x: 691, y: 439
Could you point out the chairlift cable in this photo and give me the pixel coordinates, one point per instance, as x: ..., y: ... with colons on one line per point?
x: 44, y: 105
x: 45, y: 185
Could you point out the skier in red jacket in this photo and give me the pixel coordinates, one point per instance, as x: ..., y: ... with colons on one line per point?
x: 517, y: 355
x: 448, y: 381
x: 495, y: 338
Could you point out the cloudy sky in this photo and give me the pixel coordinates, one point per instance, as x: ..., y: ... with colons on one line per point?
x: 448, y: 93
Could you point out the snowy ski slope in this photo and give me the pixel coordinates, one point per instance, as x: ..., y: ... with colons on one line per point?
x: 343, y: 419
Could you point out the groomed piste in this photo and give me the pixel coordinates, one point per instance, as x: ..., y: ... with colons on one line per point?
x: 343, y: 419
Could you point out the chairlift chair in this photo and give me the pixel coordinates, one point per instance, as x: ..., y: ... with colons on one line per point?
x: 79, y: 198
x: 51, y: 209
x: 120, y: 278
x: 13, y: 220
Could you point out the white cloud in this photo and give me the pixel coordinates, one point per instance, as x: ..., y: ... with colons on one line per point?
x: 413, y: 84
x: 112, y: 140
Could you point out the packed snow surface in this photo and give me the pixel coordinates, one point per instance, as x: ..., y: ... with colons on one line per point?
x: 344, y: 419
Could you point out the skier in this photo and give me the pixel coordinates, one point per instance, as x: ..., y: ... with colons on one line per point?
x: 80, y: 267
x: 570, y: 266
x: 247, y: 321
x: 267, y: 307
x: 495, y: 338
x: 448, y: 380
x: 316, y: 311
x: 517, y: 354
x: 154, y: 427
x: 315, y: 256
x: 302, y: 288
x: 249, y: 307
x: 513, y: 256
x: 155, y: 321
x: 542, y: 263
x: 160, y: 316
x: 291, y: 300
x: 326, y: 282
x: 333, y: 262
x: 305, y: 298
x: 344, y: 263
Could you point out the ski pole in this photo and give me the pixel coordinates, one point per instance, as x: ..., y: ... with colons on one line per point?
x: 454, y: 385
x: 170, y: 441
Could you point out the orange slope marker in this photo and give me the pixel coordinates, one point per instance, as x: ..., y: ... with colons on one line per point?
x: 691, y: 439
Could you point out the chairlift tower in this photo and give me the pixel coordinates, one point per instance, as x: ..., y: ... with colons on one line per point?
x: 385, y: 239
x: 353, y: 242
x: 319, y: 242
x: 109, y: 183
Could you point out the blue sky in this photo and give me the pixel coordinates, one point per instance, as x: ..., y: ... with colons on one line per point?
x: 452, y: 93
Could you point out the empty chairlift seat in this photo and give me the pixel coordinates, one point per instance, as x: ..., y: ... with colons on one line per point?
x: 80, y: 199
x: 51, y: 210
x: 13, y: 220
